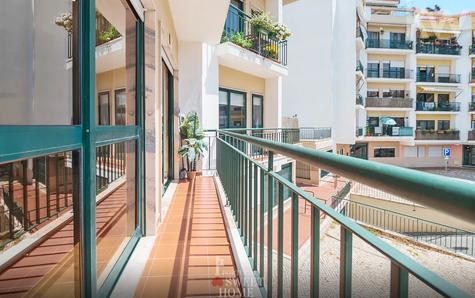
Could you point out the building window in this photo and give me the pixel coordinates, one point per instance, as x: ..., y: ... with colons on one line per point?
x: 443, y: 124
x: 425, y: 124
x: 373, y: 121
x: 104, y: 108
x: 120, y: 104
x: 232, y: 108
x: 257, y: 111
x: 372, y: 93
x: 385, y: 152
x: 373, y: 69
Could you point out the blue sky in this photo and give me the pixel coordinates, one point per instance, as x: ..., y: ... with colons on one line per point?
x: 449, y: 6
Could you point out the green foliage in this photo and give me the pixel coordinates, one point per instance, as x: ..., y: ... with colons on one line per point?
x: 262, y: 21
x: 241, y: 40
x: 193, y: 137
x: 110, y: 34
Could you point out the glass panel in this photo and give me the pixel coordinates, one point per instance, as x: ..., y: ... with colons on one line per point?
x: 237, y: 109
x: 39, y: 195
x: 36, y: 62
x: 120, y: 106
x: 116, y: 59
x: 257, y: 111
x: 167, y: 133
x: 223, y: 109
x: 116, y: 203
x: 104, y: 106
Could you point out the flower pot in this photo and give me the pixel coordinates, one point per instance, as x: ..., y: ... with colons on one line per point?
x: 191, y: 175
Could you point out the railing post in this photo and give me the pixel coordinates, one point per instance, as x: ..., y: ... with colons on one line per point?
x: 315, y: 253
x: 254, y: 255
x: 270, y: 204
x: 280, y: 243
x: 345, y: 262
x: 399, y: 281
x: 261, y: 225
x: 295, y: 246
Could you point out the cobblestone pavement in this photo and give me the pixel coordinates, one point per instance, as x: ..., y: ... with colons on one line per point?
x: 371, y: 270
x: 461, y: 173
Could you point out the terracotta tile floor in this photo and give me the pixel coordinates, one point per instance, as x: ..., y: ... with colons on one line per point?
x: 48, y: 268
x: 192, y: 253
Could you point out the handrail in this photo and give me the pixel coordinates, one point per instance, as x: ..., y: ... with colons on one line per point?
x: 244, y: 174
x: 448, y: 195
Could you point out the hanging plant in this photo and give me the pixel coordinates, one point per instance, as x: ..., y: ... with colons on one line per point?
x: 262, y: 23
x: 282, y: 32
x: 65, y: 20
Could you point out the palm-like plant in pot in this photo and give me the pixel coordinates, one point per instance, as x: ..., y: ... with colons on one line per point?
x: 193, y: 144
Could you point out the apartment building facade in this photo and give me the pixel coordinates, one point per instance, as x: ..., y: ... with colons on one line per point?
x: 414, y: 87
x: 91, y: 98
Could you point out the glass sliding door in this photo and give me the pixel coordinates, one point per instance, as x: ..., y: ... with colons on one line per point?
x: 66, y: 173
x: 232, y: 109
x: 167, y: 125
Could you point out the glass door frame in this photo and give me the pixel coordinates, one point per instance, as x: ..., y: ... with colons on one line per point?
x: 228, y: 104
x: 29, y: 141
x: 262, y: 109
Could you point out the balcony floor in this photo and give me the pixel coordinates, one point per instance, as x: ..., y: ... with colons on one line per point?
x: 192, y: 253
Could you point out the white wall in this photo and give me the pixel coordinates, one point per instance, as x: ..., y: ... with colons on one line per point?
x: 199, y: 82
x: 307, y: 90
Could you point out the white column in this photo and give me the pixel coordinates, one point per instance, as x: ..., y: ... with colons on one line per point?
x: 273, y: 103
x: 463, y: 67
x: 274, y: 8
x: 344, y: 65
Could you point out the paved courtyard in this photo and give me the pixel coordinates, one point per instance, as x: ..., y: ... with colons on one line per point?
x: 461, y: 173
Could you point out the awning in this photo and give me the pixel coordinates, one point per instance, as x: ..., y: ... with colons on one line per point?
x: 457, y: 32
x: 440, y: 89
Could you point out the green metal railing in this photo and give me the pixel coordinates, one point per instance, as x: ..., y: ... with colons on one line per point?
x: 249, y: 183
x: 389, y: 44
x: 438, y: 49
x: 454, y: 239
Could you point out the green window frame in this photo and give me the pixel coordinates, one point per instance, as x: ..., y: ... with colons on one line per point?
x: 228, y: 105
x: 29, y: 141
x: 261, y: 116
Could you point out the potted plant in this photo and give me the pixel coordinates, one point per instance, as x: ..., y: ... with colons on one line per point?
x: 262, y: 23
x: 193, y: 144
x: 282, y: 32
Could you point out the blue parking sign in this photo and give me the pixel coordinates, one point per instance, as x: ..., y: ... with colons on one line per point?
x: 447, y: 152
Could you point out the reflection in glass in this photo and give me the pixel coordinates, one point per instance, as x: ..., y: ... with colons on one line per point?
x: 237, y: 111
x: 167, y: 124
x: 223, y: 109
x: 116, y: 201
x: 38, y: 194
x: 116, y: 61
x: 257, y: 111
x: 104, y: 106
x: 36, y: 62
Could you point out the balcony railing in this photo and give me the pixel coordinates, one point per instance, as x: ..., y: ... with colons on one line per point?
x: 471, y: 77
x: 471, y: 135
x: 249, y: 186
x: 359, y: 66
x: 438, y: 107
x: 471, y: 50
x: 388, y: 102
x: 359, y: 100
x: 438, y: 78
x: 471, y: 105
x: 389, y: 131
x: 389, y: 44
x: 438, y: 49
x: 315, y: 133
x: 359, y: 33
x: 393, y: 73
x: 238, y: 30
x: 359, y: 131
x: 443, y: 135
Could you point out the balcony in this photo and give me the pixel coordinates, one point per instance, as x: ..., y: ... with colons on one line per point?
x: 359, y: 66
x: 388, y: 102
x: 471, y: 135
x: 238, y: 30
x: 437, y: 135
x: 389, y: 131
x: 393, y: 73
x: 442, y: 78
x: 359, y: 131
x: 438, y: 107
x: 389, y: 44
x: 471, y: 105
x: 359, y: 100
x: 471, y: 50
x: 438, y: 49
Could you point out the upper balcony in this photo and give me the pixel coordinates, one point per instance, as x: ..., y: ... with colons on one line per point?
x: 437, y: 135
x: 471, y: 105
x: 251, y: 49
x: 440, y: 78
x: 437, y: 106
x: 471, y: 50
x: 382, y: 103
x: 439, y: 48
x: 385, y: 14
x: 471, y: 135
x: 389, y: 131
x: 390, y: 75
x: 389, y: 44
